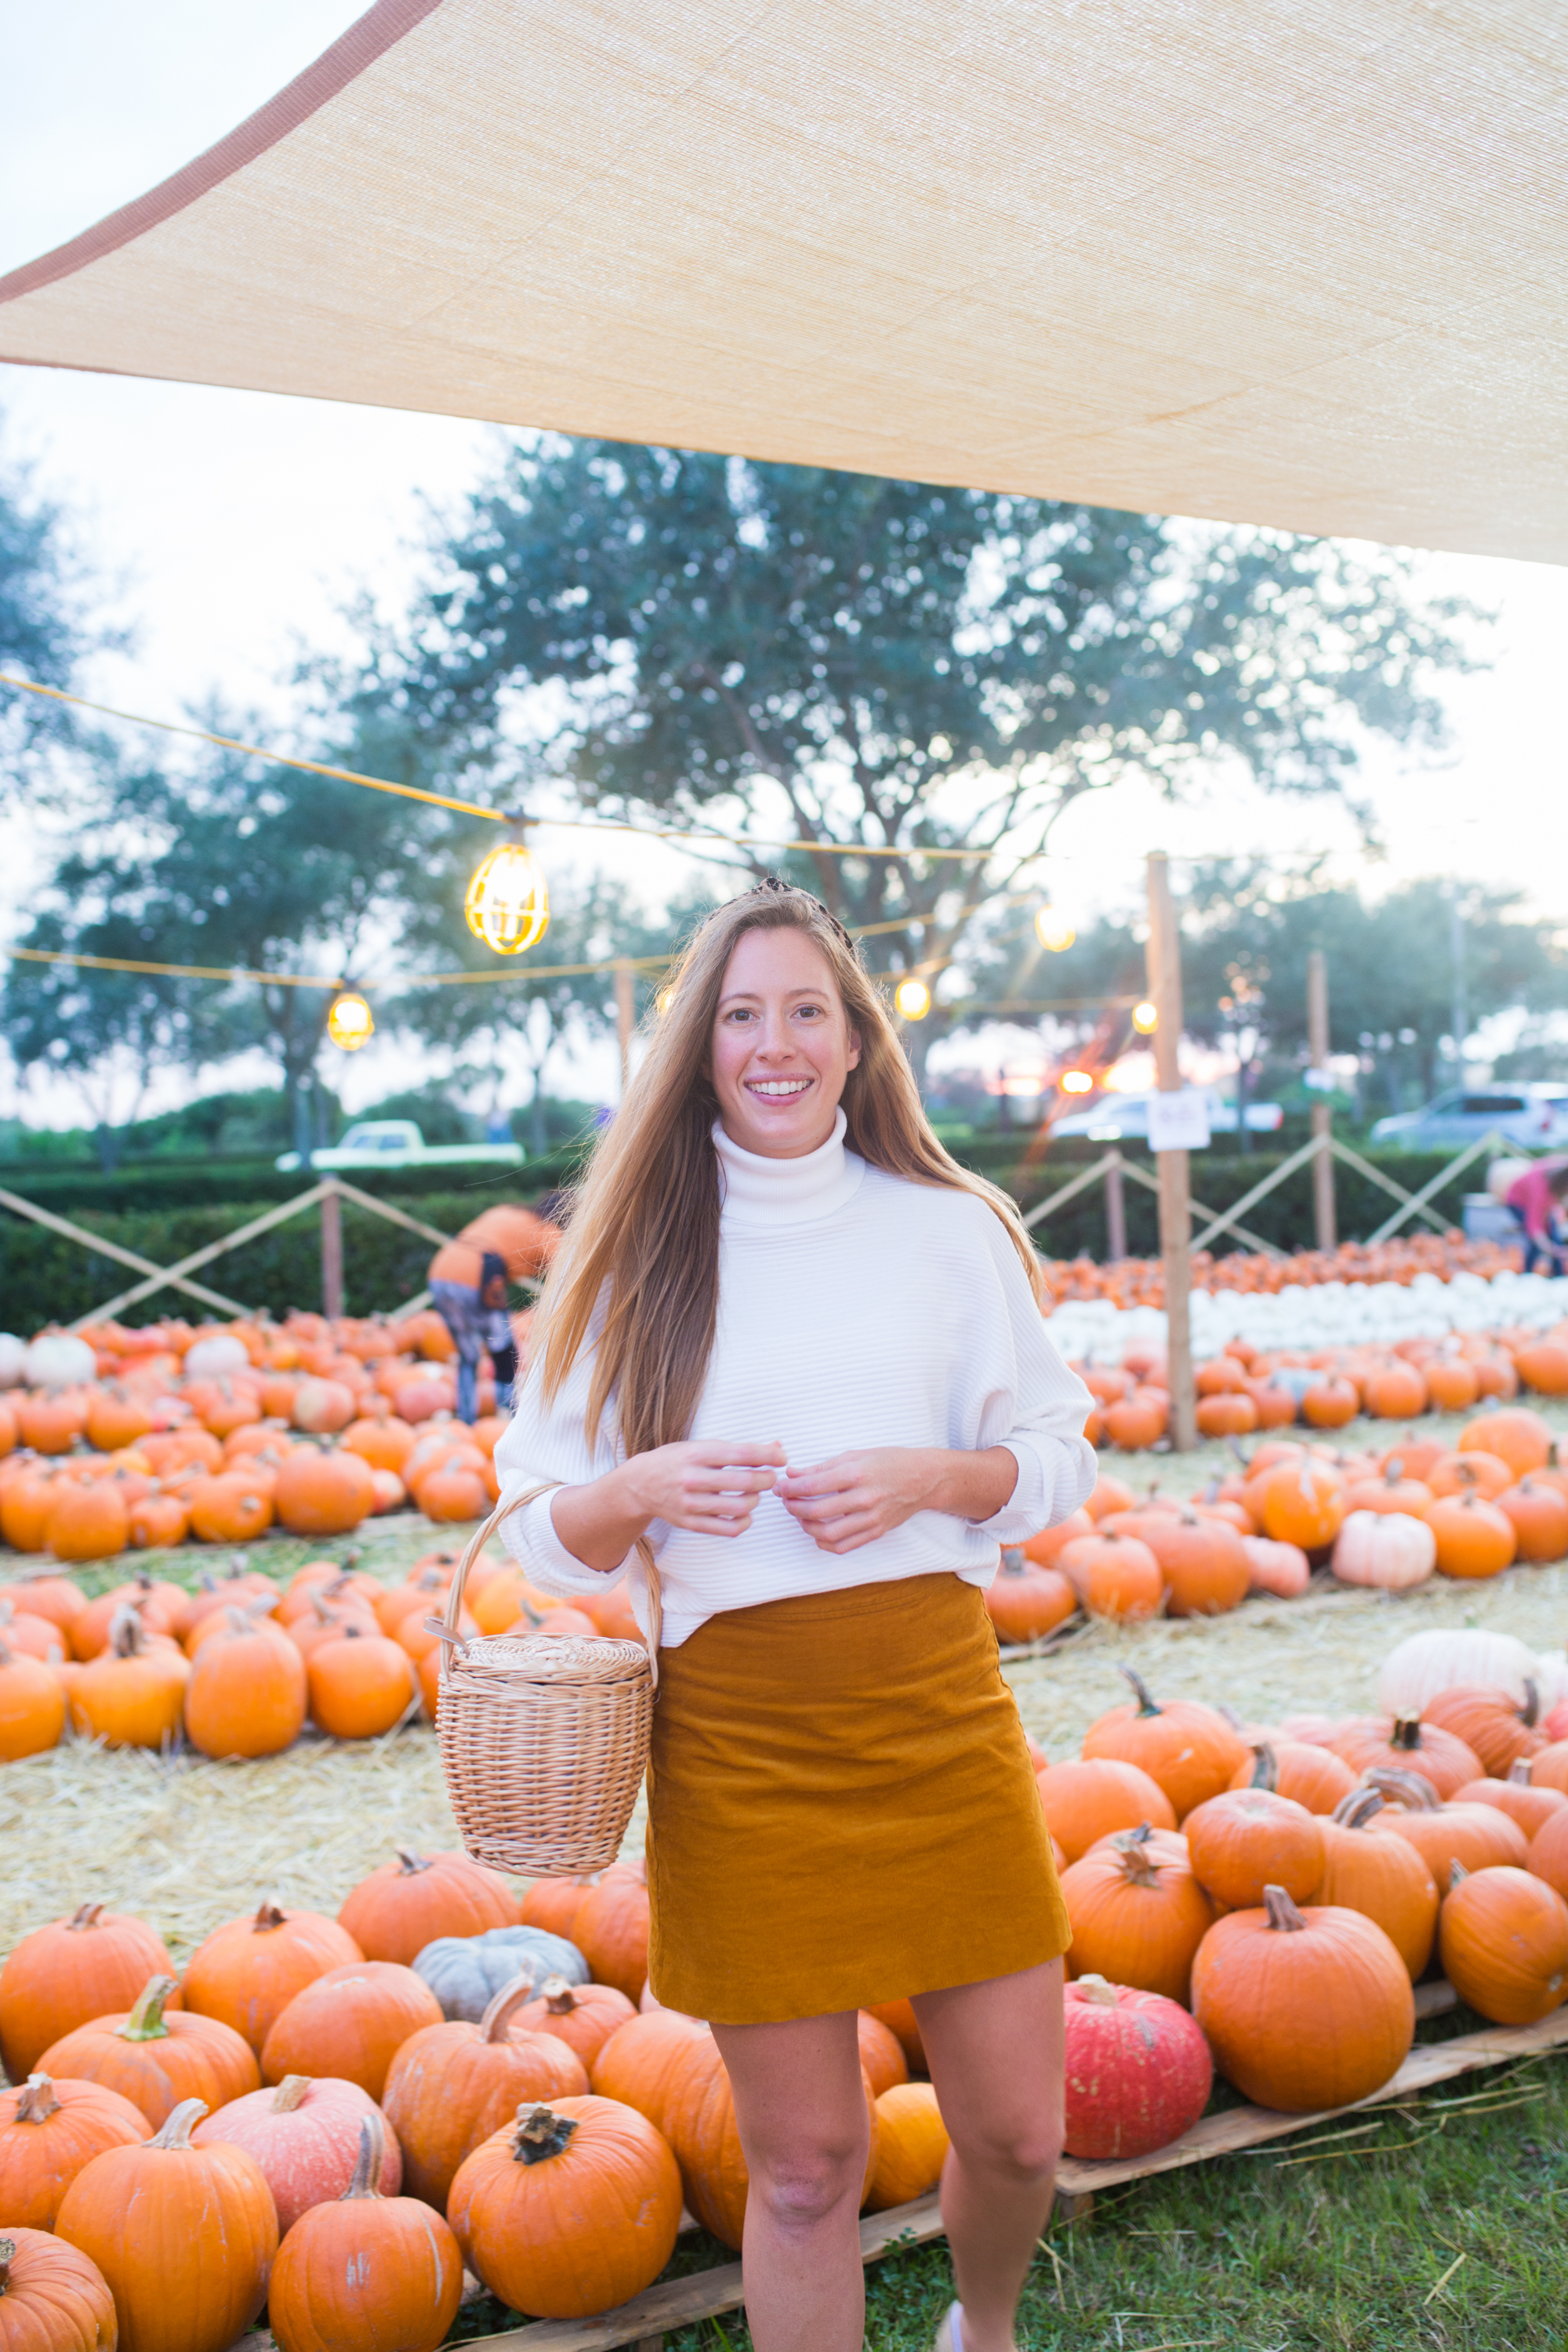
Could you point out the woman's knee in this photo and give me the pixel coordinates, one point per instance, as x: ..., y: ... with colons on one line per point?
x: 803, y: 2185
x: 1021, y: 2150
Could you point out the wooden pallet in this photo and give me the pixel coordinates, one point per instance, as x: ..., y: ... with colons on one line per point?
x: 642, y: 2324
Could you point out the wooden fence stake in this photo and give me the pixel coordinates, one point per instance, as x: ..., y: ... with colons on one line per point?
x: 1323, y: 1118
x: 331, y: 1249
x: 1164, y: 968
x: 1115, y: 1212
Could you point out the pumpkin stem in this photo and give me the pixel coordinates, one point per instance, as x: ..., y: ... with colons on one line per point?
x: 540, y: 2133
x: 7, y: 1654
x: 1394, y: 1471
x: 268, y: 1917
x: 409, y: 1863
x: 289, y: 2092
x: 1532, y: 1707
x: 559, y: 1998
x: 1457, y: 1874
x: 1014, y: 1563
x: 1519, y: 1772
x: 1353, y: 1811
x: 176, y: 2132
x: 1138, y: 1865
x: 1411, y: 1790
x: 1146, y: 1705
x: 8, y: 2256
x: 1406, y: 1734
x: 504, y: 2007
x: 87, y: 1917
x: 38, y: 2100
x: 127, y: 1635
x: 367, y: 2166
x: 1098, y: 1990
x: 1265, y: 1767
x: 1282, y: 1912
x: 145, y: 2023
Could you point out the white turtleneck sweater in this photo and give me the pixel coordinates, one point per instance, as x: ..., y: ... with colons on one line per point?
x: 856, y: 1310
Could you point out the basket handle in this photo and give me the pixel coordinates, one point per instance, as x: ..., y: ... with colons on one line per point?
x: 447, y: 1631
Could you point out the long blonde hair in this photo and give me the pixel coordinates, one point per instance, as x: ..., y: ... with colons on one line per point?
x: 643, y: 1243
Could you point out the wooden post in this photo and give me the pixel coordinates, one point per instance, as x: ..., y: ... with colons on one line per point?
x: 1323, y: 1117
x: 1164, y: 971
x: 331, y: 1249
x: 1115, y: 1213
x: 625, y: 1021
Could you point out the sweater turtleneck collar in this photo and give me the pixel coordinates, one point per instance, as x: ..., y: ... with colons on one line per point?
x: 756, y: 1192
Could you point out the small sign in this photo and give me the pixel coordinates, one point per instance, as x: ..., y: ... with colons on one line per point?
x: 1180, y: 1121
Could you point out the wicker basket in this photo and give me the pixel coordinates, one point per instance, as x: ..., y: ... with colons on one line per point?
x: 543, y: 1739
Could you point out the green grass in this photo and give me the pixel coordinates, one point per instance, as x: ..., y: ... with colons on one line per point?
x: 1442, y: 2224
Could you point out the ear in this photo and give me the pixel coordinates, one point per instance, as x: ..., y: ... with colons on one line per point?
x: 852, y: 1058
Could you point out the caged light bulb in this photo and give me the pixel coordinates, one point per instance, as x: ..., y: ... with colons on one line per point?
x: 1145, y: 1019
x: 912, y: 998
x: 508, y: 904
x: 1053, y: 930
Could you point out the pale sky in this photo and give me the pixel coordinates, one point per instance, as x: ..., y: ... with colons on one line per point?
x: 235, y: 525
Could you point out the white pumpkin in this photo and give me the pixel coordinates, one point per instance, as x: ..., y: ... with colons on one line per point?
x: 1413, y: 1674
x: 215, y: 1357
x: 13, y: 1361
x: 58, y: 1361
x: 1389, y: 1549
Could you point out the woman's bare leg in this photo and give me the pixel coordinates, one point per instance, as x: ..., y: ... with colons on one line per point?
x: 995, y: 2056
x: 805, y: 2133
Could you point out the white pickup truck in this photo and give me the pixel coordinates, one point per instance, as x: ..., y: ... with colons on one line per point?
x: 397, y: 1143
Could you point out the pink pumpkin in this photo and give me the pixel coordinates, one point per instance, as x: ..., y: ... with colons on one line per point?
x: 322, y: 1406
x: 1281, y: 1570
x: 1386, y: 1549
x: 304, y: 2134
x: 1139, y: 2072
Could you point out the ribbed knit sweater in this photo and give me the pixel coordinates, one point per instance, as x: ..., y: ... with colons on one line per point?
x: 856, y: 1310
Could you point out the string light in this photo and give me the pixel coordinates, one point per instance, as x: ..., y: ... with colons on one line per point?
x: 508, y: 904
x: 1077, y: 1082
x: 350, y: 1022
x: 1145, y: 1018
x: 912, y: 998
x: 1053, y: 930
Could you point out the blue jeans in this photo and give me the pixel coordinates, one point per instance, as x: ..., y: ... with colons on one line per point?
x: 460, y: 1311
x: 1555, y: 1252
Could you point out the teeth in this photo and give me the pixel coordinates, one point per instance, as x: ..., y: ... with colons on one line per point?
x: 778, y: 1086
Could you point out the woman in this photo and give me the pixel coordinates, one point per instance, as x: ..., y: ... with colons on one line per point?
x: 797, y: 1345
x: 1536, y: 1199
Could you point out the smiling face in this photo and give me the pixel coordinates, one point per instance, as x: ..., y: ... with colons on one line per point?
x: 782, y: 1045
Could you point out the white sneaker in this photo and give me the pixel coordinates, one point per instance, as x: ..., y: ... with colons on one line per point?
x: 949, y: 2336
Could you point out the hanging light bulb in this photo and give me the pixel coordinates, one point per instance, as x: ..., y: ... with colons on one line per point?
x: 350, y: 1023
x: 1076, y: 1082
x: 1145, y: 1019
x: 508, y: 905
x: 912, y: 998
x: 1053, y: 930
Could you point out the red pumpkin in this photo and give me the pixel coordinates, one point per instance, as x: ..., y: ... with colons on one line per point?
x: 1138, y: 2072
x: 304, y: 2135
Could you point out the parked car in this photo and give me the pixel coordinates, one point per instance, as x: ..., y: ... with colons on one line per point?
x: 1118, y: 1118
x: 1535, y: 1116
x: 398, y: 1143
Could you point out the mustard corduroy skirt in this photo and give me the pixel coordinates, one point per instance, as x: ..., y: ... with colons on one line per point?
x: 841, y: 1808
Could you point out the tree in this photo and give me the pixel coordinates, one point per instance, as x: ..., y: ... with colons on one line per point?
x: 44, y: 633
x: 857, y: 660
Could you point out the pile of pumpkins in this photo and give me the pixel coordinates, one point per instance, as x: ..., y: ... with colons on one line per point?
x: 1388, y: 1519
x: 1246, y: 1389
x: 1284, y: 1886
x: 333, y: 2117
x: 1140, y: 1281
x: 117, y: 1440
x: 240, y: 1665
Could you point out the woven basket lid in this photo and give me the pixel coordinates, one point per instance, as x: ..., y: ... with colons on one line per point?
x: 551, y: 1658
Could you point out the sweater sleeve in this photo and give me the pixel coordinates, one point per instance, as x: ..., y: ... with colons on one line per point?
x: 1034, y: 1406
x: 548, y: 1441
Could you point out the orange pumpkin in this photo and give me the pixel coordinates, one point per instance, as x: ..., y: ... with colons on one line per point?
x: 230, y: 1507
x: 1370, y: 1743
x: 452, y: 2086
x: 133, y: 1694
x: 553, y: 1904
x: 1490, y: 1723
x: 899, y: 2017
x: 612, y: 1927
x: 1474, y: 1538
x: 1395, y: 1392
x: 159, y: 1606
x: 155, y: 1520
x: 248, y: 1971
x: 1188, y: 1749
x: 351, y: 2022
x: 52, y: 2298
x: 66, y: 1974
x: 1547, y: 1854
x: 365, y: 2268
x: 1026, y: 1602
x: 1385, y: 1879
x: 184, y: 2236
x: 912, y: 2145
x: 48, y: 2131
x: 1114, y: 1575
x: 323, y: 1493
x: 1093, y: 1797
x: 32, y: 1704
x: 1309, y: 1776
x: 644, y: 2063
x: 361, y: 1684
x: 1477, y: 1837
x: 408, y: 1901
x: 1043, y: 1548
x: 246, y: 1696
x: 1138, y: 1914
x: 1516, y: 1436
x: 573, y: 2209
x: 1530, y: 1808
x: 157, y: 2060
x: 1482, y: 1475
x: 87, y: 1522
x: 583, y: 2016
x: 1305, y: 2009
x: 52, y: 1597
x: 1302, y: 1503
x: 1246, y: 1839
x: 1503, y: 1937
x: 1539, y: 1516
x: 1203, y: 1560
x: 1542, y: 1365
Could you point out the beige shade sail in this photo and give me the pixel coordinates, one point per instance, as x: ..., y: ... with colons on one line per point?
x: 1292, y: 262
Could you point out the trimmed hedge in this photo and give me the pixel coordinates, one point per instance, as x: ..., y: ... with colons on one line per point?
x: 248, y: 1186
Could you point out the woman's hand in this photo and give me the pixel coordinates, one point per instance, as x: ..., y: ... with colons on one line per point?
x: 710, y: 1487
x: 857, y: 1497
